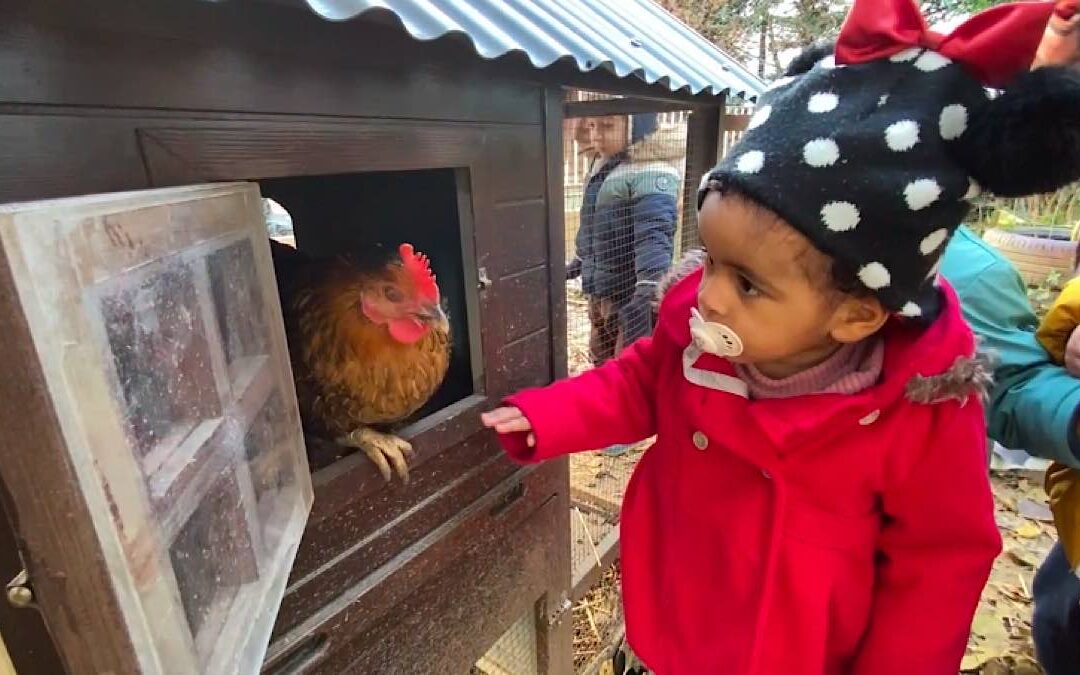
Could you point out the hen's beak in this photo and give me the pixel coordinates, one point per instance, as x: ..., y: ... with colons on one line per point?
x: 435, y: 315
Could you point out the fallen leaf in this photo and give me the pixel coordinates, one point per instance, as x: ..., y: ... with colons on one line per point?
x: 1013, y: 593
x: 1028, y: 530
x: 1035, y: 511
x: 975, y: 659
x: 1022, y: 557
x: 989, y: 627
x: 996, y: 666
x: 1026, y: 666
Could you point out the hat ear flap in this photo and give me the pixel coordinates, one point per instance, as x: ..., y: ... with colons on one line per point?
x: 808, y: 57
x: 1027, y: 140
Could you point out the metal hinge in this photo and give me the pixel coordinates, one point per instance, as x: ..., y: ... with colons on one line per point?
x: 483, y: 280
x: 19, y: 592
x: 555, y: 618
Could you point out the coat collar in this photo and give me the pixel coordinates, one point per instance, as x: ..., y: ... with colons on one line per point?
x: 922, y: 365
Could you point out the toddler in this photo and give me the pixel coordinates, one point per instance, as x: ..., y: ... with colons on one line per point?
x: 817, y: 498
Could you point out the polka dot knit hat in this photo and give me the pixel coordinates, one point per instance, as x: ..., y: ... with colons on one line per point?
x: 872, y: 152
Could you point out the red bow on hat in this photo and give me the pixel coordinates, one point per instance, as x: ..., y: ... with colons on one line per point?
x: 994, y: 45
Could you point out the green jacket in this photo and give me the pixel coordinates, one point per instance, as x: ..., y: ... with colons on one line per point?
x: 1034, y: 401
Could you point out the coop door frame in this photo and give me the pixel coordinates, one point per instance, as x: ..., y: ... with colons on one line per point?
x: 105, y: 504
x: 219, y: 150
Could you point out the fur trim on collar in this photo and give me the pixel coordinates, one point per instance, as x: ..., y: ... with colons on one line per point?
x: 968, y: 376
x: 691, y: 260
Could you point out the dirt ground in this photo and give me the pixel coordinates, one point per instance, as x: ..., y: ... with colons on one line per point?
x: 1000, y: 642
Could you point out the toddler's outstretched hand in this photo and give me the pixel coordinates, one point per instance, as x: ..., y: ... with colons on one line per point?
x: 509, y: 420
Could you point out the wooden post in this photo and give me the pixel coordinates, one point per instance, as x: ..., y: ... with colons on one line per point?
x: 702, y: 143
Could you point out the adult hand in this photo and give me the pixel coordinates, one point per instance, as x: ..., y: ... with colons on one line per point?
x: 1072, y: 353
x: 1060, y: 45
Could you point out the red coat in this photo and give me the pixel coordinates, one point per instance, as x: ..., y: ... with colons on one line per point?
x: 815, y: 535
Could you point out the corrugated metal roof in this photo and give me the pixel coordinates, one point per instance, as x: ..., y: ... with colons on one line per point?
x: 627, y: 37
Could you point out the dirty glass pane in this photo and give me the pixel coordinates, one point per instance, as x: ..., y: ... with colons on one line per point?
x: 273, y: 477
x: 212, y: 558
x: 162, y: 358
x: 237, y: 301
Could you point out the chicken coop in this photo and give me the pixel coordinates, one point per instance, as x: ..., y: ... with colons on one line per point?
x: 163, y: 510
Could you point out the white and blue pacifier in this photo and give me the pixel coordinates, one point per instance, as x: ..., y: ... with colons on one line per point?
x: 712, y: 337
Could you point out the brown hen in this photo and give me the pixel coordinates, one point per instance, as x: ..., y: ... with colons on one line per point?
x: 369, y: 344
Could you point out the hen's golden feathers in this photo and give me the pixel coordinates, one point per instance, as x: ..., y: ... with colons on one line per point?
x: 350, y: 370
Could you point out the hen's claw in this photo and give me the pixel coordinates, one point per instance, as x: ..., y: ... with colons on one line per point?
x: 383, y: 449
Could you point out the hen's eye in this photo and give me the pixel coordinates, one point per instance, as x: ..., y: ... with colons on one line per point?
x: 393, y: 294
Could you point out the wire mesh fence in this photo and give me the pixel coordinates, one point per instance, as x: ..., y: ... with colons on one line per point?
x: 628, y: 203
x: 629, y: 208
x: 514, y: 653
x: 624, y: 208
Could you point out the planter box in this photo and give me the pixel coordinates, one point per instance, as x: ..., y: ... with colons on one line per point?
x: 1036, y: 252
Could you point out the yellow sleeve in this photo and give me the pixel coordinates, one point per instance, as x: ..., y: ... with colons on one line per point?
x: 1059, y: 322
x: 1063, y: 487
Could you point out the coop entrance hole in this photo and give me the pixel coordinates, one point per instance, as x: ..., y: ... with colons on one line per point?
x: 430, y: 209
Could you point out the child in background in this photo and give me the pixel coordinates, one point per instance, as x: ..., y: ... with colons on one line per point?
x: 817, y: 500
x: 1057, y: 586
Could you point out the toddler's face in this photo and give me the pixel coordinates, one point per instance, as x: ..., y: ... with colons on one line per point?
x: 764, y: 280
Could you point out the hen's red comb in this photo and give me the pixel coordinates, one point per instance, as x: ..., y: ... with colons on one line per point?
x: 419, y: 268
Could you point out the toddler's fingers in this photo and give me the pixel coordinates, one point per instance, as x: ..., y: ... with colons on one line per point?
x: 498, y: 415
x: 530, y: 440
x: 513, y: 425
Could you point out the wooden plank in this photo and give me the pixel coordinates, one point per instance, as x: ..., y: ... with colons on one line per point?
x: 702, y: 141
x: 555, y: 647
x: 247, y: 56
x: 520, y: 304
x: 556, y: 229
x: 624, y: 106
x: 50, y: 513
x: 521, y: 364
x: 734, y: 122
x: 52, y: 156
x: 367, y: 625
x: 30, y: 646
x: 498, y: 589
x: 523, y: 237
x: 376, y: 537
x: 516, y: 158
x: 584, y: 579
x: 602, y: 505
x: 258, y: 150
x: 352, y: 493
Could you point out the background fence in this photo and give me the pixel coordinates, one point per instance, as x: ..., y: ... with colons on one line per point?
x: 594, y: 322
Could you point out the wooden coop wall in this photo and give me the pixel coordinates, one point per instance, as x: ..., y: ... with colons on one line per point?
x: 126, y: 95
